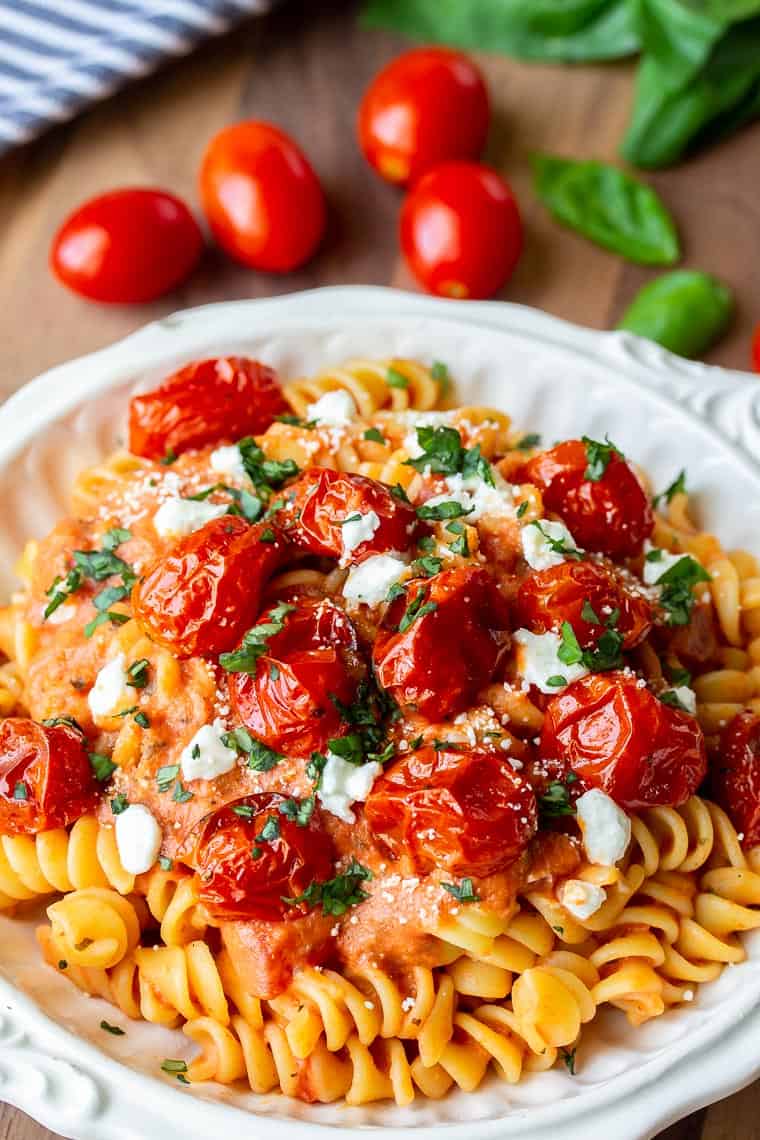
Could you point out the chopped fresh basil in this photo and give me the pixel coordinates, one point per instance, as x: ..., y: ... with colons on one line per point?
x: 270, y: 831
x: 522, y: 508
x: 416, y: 609
x: 181, y: 795
x: 440, y: 373
x: 677, y: 487
x: 557, y: 545
x: 568, y: 1056
x: 399, y: 493
x: 450, y: 509
x: 396, y: 379
x: 443, y: 454
x: 137, y: 673
x: 528, y: 442
x: 555, y: 801
x: 598, y: 456
x: 102, y: 766
x: 556, y: 681
x: 142, y: 720
x: 255, y: 642
x: 374, y: 434
x: 298, y: 811
x: 260, y: 757
x: 119, y: 804
x: 169, y: 458
x: 166, y: 775
x: 113, y: 1029
x: 336, y: 895
x: 677, y: 589
x: 245, y: 811
x: 427, y: 566
x: 670, y: 697
x: 265, y: 474
x: 462, y: 891
x: 164, y: 863
x: 170, y: 1066
x: 20, y: 791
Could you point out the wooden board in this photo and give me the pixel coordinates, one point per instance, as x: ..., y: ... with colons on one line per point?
x: 307, y: 72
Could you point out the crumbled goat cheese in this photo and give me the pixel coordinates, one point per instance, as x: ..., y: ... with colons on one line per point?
x: 228, y: 461
x: 370, y: 581
x: 335, y: 408
x: 538, y: 661
x: 138, y: 839
x: 356, y: 531
x: 687, y: 697
x: 343, y: 784
x: 581, y: 899
x: 207, y: 756
x: 110, y: 693
x: 177, y: 517
x: 655, y: 568
x: 478, y: 498
x: 537, y: 547
x: 605, y: 827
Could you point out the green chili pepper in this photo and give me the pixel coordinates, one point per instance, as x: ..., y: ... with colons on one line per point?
x: 684, y: 311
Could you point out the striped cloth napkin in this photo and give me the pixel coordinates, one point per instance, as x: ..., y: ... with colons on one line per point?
x: 57, y: 56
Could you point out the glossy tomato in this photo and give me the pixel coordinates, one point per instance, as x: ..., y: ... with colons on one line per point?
x: 224, y: 398
x: 425, y: 107
x: 250, y: 858
x: 735, y: 775
x: 469, y: 813
x: 609, y: 512
x: 202, y: 595
x: 46, y: 780
x: 440, y: 642
x: 460, y: 231
x: 263, y: 201
x: 290, y: 702
x: 567, y: 592
x: 320, y: 501
x: 617, y: 736
x: 127, y: 246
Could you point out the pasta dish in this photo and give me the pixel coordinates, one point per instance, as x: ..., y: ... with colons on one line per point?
x: 376, y: 743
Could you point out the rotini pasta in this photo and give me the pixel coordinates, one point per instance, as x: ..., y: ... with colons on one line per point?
x: 305, y: 745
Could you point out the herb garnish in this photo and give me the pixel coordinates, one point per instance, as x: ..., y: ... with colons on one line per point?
x: 96, y: 565
x: 265, y: 474
x: 102, y: 766
x: 255, y: 641
x: 166, y: 775
x: 528, y: 442
x: 260, y: 757
x: 415, y: 609
x: 462, y: 891
x: 137, y: 673
x: 677, y: 592
x: 450, y: 509
x: 568, y: 1056
x: 677, y: 487
x: 114, y: 1029
x: 443, y: 454
x: 298, y: 811
x: 335, y: 895
x: 119, y: 804
x: 555, y: 801
x: 396, y: 379
x: 374, y: 434
x: 608, y: 651
x: 671, y: 698
x: 557, y: 545
x: 598, y: 456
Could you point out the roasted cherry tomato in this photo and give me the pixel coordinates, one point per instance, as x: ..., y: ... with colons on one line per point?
x: 735, y: 775
x: 226, y: 397
x: 460, y: 231
x: 609, y: 513
x: 547, y: 598
x: 617, y: 736
x: 425, y: 107
x: 250, y: 858
x: 46, y: 780
x: 263, y: 201
x: 756, y: 350
x: 127, y: 246
x: 202, y: 595
x: 440, y: 641
x: 695, y: 644
x: 320, y: 501
x: 469, y: 813
x: 290, y: 703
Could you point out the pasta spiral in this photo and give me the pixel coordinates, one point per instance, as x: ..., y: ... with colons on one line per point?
x: 366, y: 381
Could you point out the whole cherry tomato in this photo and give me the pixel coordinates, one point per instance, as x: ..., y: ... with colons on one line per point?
x: 46, y: 780
x: 250, y: 858
x: 467, y: 812
x: 597, y: 494
x: 756, y: 350
x: 460, y: 231
x: 425, y: 107
x: 735, y: 775
x: 127, y: 246
x: 547, y: 598
x: 263, y: 201
x: 321, y: 500
x: 617, y: 736
x: 439, y: 642
x: 202, y: 596
x: 290, y: 702
x: 223, y: 398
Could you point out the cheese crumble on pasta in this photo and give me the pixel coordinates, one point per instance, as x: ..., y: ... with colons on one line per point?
x: 372, y: 743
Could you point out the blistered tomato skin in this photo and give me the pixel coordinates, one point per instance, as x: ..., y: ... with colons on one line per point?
x: 437, y: 665
x: 425, y: 107
x: 612, y: 515
x: 735, y: 775
x: 617, y: 736
x: 290, y: 704
x: 468, y: 813
x: 202, y: 595
x: 262, y: 198
x: 46, y: 780
x: 547, y: 598
x: 224, y: 398
x: 127, y: 246
x: 244, y: 876
x: 320, y: 500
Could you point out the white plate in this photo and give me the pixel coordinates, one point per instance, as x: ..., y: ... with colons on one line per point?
x: 55, y: 1062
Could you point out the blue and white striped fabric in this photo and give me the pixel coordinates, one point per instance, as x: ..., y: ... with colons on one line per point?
x: 57, y: 56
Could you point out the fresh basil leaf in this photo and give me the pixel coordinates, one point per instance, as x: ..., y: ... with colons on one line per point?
x: 572, y: 30
x: 607, y: 206
x: 684, y: 311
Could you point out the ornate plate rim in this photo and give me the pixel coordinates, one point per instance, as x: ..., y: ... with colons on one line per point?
x: 719, y: 1059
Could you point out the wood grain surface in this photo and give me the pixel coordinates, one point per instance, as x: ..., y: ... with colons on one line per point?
x: 305, y: 68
